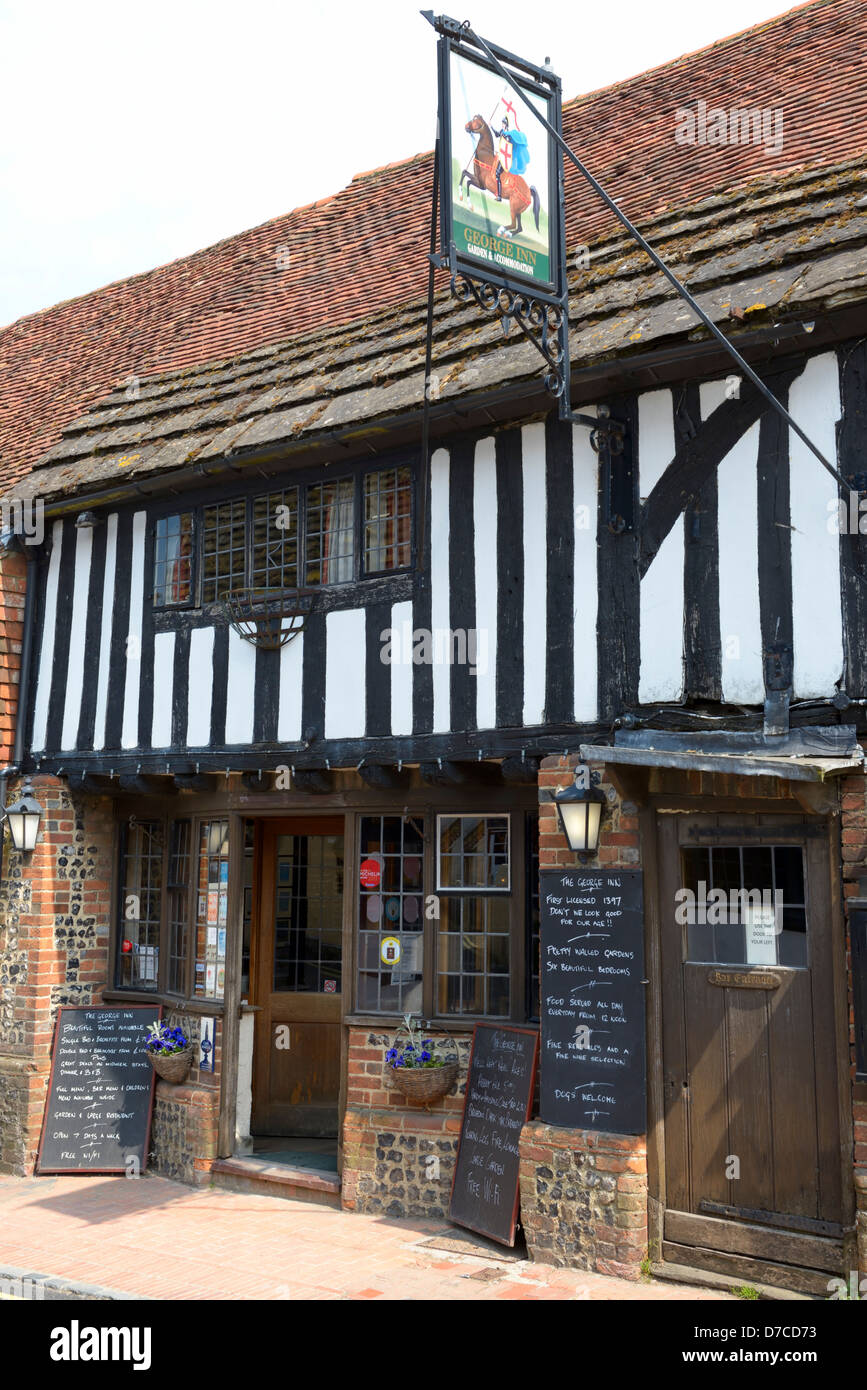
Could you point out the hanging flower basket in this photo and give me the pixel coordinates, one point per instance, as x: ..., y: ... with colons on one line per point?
x: 415, y: 1071
x: 170, y: 1052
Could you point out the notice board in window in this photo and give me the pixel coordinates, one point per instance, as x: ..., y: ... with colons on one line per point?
x: 593, y: 1071
x: 500, y: 1082
x: 100, y: 1092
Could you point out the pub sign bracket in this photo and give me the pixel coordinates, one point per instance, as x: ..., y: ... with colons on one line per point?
x: 502, y: 234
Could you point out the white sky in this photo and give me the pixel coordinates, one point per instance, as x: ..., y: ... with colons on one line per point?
x: 131, y: 134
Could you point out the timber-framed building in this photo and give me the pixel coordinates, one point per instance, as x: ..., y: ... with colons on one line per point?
x: 233, y: 830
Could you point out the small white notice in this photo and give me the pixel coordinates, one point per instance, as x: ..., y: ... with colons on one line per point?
x: 760, y: 928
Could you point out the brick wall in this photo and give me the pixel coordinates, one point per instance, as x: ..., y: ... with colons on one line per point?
x: 184, y: 1131
x: 54, y: 915
x: 398, y: 1155
x: 13, y: 584
x: 55, y: 921
x: 584, y: 1198
x: 583, y: 1193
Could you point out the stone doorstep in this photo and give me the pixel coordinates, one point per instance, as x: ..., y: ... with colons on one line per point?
x: 707, y: 1279
x: 280, y: 1173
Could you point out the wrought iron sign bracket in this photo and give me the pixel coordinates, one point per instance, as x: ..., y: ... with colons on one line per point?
x: 543, y: 320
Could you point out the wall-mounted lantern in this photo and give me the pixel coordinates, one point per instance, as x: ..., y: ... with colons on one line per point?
x: 580, y: 810
x: 24, y: 816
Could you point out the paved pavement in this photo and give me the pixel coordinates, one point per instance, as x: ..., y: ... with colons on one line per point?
x: 154, y: 1238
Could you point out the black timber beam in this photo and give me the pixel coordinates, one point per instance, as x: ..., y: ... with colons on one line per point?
x: 518, y: 769
x: 383, y: 776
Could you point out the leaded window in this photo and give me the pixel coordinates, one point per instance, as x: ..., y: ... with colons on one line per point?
x: 275, y: 540
x: 223, y: 549
x: 387, y: 520
x: 330, y: 546
x: 177, y: 902
x: 390, y: 906
x: 173, y: 906
x: 212, y: 903
x: 141, y: 894
x: 173, y: 560
x: 308, y: 914
x: 473, y: 853
x: 308, y: 535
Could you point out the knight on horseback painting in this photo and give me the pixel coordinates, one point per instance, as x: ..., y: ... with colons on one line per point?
x: 500, y: 182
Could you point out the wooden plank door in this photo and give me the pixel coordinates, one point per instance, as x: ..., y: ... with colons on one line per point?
x: 298, y: 973
x: 753, y: 1174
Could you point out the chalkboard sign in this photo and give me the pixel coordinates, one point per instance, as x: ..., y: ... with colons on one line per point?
x: 100, y: 1092
x: 500, y: 1084
x: 592, y: 961
x: 858, y: 929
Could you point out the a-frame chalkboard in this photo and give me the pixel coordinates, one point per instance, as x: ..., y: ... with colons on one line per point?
x: 100, y: 1092
x: 500, y: 1083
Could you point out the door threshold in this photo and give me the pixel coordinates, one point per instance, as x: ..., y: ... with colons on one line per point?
x: 278, y: 1175
x: 707, y: 1279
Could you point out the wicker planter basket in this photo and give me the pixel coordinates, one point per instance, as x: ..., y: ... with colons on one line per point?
x: 172, y: 1066
x: 425, y: 1083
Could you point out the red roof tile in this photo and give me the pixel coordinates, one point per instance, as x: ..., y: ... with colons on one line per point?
x: 364, y: 248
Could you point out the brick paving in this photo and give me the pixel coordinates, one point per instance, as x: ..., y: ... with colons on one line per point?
x: 155, y: 1238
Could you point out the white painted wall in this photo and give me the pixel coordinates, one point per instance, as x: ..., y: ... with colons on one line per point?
x: 533, y: 483
x: 345, y: 666
x: 661, y: 602
x: 585, y: 485
x: 814, y: 401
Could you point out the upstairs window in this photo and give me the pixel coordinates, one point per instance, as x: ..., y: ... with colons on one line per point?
x: 275, y: 540
x: 224, y: 548
x: 173, y: 560
x: 336, y: 531
x: 387, y: 520
x: 330, y: 546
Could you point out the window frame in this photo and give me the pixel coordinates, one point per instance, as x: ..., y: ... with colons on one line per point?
x: 476, y: 891
x: 303, y: 481
x: 165, y: 819
x: 413, y: 510
x: 515, y: 896
x: 194, y: 513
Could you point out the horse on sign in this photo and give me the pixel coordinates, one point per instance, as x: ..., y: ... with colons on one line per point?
x: 484, y: 175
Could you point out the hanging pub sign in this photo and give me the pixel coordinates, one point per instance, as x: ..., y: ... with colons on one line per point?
x: 499, y: 172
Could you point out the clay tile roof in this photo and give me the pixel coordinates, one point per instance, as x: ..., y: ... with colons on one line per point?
x: 363, y: 250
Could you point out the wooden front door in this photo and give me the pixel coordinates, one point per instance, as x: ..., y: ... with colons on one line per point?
x: 298, y: 973
x: 753, y: 1172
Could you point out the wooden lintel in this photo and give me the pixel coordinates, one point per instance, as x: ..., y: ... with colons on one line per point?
x: 258, y: 781
x: 442, y: 773
x: 384, y: 776
x: 193, y: 782
x: 92, y: 785
x: 145, y: 785
x: 520, y: 769
x: 309, y: 779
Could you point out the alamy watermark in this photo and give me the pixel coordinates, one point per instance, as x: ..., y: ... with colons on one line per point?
x: 25, y: 517
x: 439, y: 646
x: 761, y: 907
x: 739, y: 125
x: 847, y: 516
